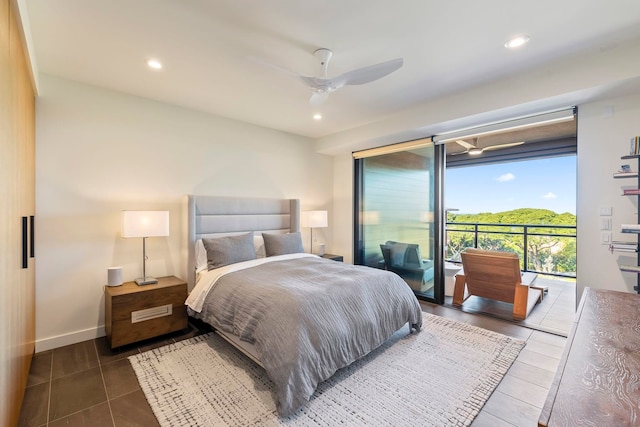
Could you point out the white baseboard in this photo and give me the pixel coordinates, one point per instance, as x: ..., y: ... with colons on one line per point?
x: 68, y: 339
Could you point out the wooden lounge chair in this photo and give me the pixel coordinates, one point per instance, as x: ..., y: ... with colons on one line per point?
x: 495, y: 275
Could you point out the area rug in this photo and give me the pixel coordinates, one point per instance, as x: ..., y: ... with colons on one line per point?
x: 441, y: 376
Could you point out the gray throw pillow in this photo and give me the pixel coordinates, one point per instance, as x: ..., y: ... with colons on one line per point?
x: 227, y: 250
x: 281, y: 244
x: 398, y: 253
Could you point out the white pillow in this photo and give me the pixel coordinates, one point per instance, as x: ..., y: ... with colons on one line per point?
x: 201, y: 256
x: 258, y: 245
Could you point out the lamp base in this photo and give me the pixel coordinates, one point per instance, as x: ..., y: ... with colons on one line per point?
x: 146, y: 281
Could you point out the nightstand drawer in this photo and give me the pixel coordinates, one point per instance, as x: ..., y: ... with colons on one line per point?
x: 123, y: 305
x: 158, y: 309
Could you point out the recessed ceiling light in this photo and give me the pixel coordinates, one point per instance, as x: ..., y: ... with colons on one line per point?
x: 154, y: 63
x: 317, y: 116
x: 516, y: 42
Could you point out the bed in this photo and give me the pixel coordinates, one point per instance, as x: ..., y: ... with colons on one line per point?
x: 301, y: 317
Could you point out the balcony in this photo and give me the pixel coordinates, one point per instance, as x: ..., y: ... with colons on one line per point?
x: 550, y: 253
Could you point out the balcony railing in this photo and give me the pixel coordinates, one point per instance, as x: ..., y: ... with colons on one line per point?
x: 550, y: 249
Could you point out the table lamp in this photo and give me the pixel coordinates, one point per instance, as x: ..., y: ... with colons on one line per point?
x: 145, y: 224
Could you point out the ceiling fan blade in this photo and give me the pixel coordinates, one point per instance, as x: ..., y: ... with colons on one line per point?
x: 500, y: 146
x: 367, y: 74
x: 317, y: 83
x: 270, y: 65
x: 318, y: 98
x: 465, y: 144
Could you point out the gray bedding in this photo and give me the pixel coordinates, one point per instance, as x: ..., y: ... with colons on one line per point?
x: 309, y: 317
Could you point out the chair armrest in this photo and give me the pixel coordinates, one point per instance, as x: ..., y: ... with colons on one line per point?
x: 524, y: 299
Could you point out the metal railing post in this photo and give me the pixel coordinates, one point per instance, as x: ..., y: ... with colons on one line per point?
x: 475, y: 236
x: 526, y: 248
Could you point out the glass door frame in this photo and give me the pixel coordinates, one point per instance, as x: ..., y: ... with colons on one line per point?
x: 439, y: 220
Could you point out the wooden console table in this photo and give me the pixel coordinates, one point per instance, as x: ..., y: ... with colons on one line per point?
x: 598, y: 380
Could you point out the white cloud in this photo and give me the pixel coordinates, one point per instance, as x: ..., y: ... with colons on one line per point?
x: 506, y: 177
x: 550, y: 196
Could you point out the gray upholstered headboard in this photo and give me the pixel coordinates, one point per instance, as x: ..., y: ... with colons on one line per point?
x: 208, y: 216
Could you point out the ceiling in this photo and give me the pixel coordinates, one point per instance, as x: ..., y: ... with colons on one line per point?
x: 206, y: 48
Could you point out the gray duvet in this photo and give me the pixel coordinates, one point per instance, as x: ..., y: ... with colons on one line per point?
x: 309, y: 317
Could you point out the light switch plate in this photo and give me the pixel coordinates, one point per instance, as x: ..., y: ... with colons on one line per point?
x: 606, y: 210
x: 605, y: 223
x: 605, y: 237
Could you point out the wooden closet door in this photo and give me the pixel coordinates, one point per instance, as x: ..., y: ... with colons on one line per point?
x: 7, y: 229
x: 24, y: 134
x: 17, y: 200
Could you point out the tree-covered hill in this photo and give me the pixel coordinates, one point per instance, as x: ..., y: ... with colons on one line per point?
x: 516, y: 216
x: 546, y: 252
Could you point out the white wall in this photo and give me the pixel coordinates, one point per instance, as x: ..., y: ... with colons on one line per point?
x: 604, y: 130
x: 99, y: 152
x: 343, y: 206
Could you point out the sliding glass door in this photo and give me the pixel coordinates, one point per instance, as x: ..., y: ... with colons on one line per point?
x: 399, y: 214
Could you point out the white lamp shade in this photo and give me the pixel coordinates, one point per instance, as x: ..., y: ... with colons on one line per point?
x: 145, y: 223
x: 314, y: 219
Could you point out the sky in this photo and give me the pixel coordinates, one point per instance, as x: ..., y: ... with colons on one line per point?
x: 542, y: 183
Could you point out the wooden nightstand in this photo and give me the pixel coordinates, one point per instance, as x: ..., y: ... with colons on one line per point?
x: 134, y: 313
x: 333, y: 257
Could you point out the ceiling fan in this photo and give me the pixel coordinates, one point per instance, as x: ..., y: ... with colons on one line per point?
x: 472, y: 148
x: 323, y: 86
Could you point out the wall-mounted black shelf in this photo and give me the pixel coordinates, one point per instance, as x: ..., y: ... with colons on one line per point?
x: 636, y: 175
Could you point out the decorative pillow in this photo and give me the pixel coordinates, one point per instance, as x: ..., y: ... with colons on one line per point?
x: 413, y: 257
x: 398, y: 253
x: 281, y: 244
x: 404, y: 255
x: 201, y: 252
x: 223, y: 251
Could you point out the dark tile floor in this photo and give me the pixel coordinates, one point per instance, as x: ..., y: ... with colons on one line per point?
x: 87, y: 384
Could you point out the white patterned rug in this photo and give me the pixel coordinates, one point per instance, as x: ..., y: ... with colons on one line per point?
x: 441, y: 376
